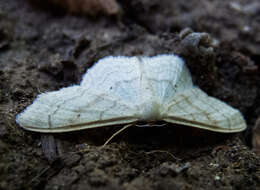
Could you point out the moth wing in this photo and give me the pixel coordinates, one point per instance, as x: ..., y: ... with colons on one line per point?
x: 195, y: 108
x: 74, y: 108
x: 117, y: 75
x: 167, y: 75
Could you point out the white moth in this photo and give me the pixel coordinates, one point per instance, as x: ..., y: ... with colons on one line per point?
x: 124, y: 90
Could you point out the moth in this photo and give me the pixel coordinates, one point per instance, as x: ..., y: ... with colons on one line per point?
x: 126, y: 90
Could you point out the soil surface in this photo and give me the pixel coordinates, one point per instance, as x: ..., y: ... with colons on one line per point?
x: 43, y: 48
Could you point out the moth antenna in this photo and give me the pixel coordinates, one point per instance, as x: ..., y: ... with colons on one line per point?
x: 116, y: 133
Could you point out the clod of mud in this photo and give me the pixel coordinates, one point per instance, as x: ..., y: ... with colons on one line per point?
x: 256, y: 137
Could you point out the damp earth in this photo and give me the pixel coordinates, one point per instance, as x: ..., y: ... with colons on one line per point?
x: 44, y: 48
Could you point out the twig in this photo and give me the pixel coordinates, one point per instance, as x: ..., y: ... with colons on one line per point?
x: 163, y: 151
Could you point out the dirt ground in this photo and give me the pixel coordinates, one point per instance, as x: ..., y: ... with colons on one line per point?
x: 43, y: 49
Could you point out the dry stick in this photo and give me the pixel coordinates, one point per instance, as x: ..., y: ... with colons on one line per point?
x: 39, y: 175
x: 163, y: 151
x: 119, y: 131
